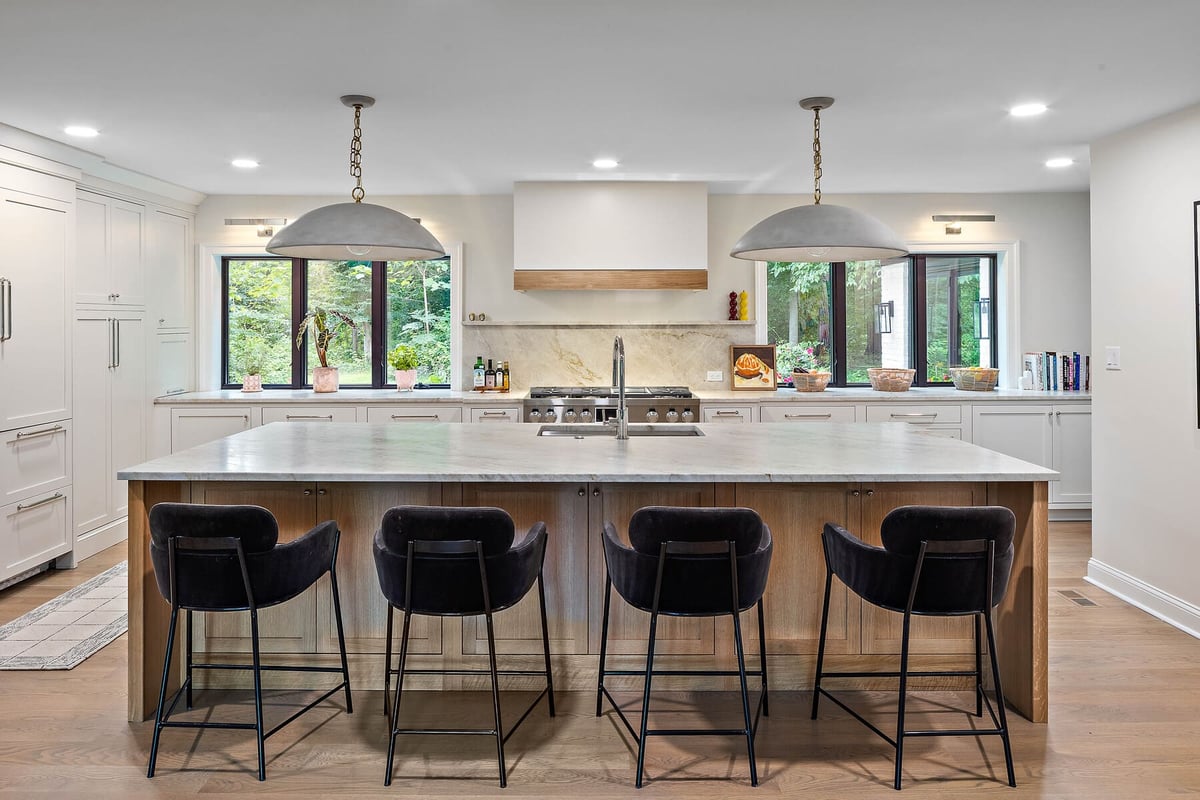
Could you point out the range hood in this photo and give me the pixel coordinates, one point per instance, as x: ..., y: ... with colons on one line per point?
x: 610, y: 235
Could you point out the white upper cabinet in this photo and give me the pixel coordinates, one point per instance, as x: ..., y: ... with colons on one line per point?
x: 35, y: 383
x: 110, y: 249
x: 168, y: 270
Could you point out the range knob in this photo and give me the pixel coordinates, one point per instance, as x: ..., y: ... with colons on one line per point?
x: 672, y: 415
x: 569, y: 416
x: 551, y: 415
x: 652, y: 416
x: 534, y: 414
x: 585, y: 415
x: 687, y: 415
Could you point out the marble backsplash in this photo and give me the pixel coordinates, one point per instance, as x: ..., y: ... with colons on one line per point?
x: 581, y: 355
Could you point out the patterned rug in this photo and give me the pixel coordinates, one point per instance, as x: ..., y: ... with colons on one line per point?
x: 60, y: 634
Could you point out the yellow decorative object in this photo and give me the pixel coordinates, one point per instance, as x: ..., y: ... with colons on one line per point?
x: 743, y: 306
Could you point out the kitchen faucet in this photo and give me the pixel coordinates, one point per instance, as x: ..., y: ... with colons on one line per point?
x: 619, y: 382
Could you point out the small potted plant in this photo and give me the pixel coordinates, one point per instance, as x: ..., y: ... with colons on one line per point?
x: 252, y: 367
x: 324, y: 324
x: 403, y: 360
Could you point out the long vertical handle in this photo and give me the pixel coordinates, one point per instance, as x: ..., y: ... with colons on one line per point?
x: 117, y: 328
x: 5, y: 309
x: 112, y: 359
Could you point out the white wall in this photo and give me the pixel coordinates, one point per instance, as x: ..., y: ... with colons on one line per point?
x: 1145, y: 442
x: 1052, y: 229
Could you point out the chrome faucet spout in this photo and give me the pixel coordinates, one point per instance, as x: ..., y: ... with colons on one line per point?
x: 619, y: 383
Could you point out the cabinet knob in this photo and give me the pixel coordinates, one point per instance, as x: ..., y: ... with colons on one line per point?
x: 870, y: 492
x: 322, y: 492
x: 307, y: 492
x: 855, y: 492
x: 596, y: 492
x: 582, y: 491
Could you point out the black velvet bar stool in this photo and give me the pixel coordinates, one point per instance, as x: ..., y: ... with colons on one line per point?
x: 935, y: 561
x: 450, y: 561
x: 689, y: 562
x: 227, y: 558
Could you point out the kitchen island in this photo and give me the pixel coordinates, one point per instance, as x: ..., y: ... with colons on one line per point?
x: 796, y: 477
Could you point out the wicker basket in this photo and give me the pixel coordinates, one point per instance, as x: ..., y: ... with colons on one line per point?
x: 891, y: 379
x: 811, y: 381
x: 974, y: 379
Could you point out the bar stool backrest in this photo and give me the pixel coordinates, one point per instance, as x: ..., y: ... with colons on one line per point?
x: 650, y: 526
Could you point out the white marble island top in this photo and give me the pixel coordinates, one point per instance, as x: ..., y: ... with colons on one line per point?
x: 832, y: 452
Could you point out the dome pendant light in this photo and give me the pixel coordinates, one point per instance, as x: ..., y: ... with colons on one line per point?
x: 358, y: 230
x: 819, y: 233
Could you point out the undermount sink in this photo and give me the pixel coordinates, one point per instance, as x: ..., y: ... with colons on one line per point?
x: 580, y: 431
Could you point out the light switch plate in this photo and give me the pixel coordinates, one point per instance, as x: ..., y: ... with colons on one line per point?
x: 715, y: 375
x: 1112, y: 358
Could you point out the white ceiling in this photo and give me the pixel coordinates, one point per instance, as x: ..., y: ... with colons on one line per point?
x: 475, y: 94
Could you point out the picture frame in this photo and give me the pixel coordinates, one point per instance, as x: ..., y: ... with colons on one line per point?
x: 752, y: 367
x: 1196, y: 245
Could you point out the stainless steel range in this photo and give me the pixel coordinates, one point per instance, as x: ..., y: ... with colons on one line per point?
x: 599, y: 404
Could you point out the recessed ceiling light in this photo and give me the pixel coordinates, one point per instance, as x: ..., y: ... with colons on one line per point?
x: 1028, y: 110
x: 82, y: 131
x: 244, y: 163
x: 606, y: 163
x: 1059, y: 163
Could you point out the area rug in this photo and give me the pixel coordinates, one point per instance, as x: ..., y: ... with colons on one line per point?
x: 60, y: 634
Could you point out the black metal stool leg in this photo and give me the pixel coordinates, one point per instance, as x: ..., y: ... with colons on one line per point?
x: 978, y: 667
x: 603, y: 642
x: 188, y: 676
x: 641, y: 758
x: 903, y: 695
x: 546, y: 643
x: 741, y: 657
x: 162, y: 692
x: 1008, y: 761
x: 387, y: 665
x: 496, y: 699
x: 337, y: 614
x: 258, y: 712
x: 821, y: 643
x: 762, y: 658
x: 387, y: 778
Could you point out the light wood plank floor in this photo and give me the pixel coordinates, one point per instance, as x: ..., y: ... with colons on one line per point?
x: 1124, y: 722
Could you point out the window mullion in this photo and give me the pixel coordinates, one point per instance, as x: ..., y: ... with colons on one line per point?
x: 838, y: 316
x: 299, y: 293
x: 379, y: 306
x: 919, y: 334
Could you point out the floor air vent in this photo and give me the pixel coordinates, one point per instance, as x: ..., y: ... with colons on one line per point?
x: 1076, y: 598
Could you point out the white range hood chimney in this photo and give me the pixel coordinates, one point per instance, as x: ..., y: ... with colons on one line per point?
x: 610, y: 235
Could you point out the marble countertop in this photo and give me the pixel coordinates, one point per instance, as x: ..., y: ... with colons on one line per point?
x: 724, y: 394
x: 306, y: 451
x: 341, y: 396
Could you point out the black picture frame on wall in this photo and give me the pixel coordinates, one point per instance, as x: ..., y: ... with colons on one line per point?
x: 1196, y: 244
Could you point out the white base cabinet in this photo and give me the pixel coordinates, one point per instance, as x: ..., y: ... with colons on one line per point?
x: 1057, y: 436
x: 34, y: 531
x: 192, y: 425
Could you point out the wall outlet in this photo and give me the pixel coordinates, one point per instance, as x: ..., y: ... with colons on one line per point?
x: 1112, y: 358
x: 715, y: 375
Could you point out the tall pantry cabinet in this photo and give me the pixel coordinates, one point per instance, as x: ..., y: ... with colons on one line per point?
x: 133, y: 266
x: 37, y: 215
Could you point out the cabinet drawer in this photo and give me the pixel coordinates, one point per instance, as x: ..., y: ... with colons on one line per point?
x: 34, y: 459
x: 411, y: 413
x: 772, y: 412
x: 309, y: 413
x: 915, y: 414
x: 727, y: 413
x: 34, y: 531
x: 496, y: 414
x: 192, y: 426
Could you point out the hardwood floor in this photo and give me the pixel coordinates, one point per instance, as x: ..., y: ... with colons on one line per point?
x: 1124, y: 722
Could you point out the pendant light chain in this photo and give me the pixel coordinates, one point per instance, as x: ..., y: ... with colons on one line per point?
x: 817, y: 156
x: 356, y: 155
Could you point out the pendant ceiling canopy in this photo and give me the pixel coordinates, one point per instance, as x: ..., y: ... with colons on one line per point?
x: 818, y: 232
x: 345, y: 231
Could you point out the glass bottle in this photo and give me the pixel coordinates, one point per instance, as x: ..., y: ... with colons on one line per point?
x: 477, y: 375
x: 504, y: 376
x: 489, y: 377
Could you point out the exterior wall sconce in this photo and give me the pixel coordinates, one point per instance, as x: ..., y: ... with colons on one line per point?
x: 983, y: 318
x: 954, y: 221
x: 883, y: 316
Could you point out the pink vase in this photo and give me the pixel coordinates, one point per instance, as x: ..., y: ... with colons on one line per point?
x: 325, y: 379
x: 252, y: 383
x: 405, y: 379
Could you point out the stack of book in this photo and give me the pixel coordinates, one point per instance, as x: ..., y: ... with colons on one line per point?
x: 1052, y: 371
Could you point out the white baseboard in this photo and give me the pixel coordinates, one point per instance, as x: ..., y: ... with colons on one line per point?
x: 1153, y: 601
x: 93, y: 542
x: 1067, y: 514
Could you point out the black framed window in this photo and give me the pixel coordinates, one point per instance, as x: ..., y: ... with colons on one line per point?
x: 264, y: 300
x: 928, y: 312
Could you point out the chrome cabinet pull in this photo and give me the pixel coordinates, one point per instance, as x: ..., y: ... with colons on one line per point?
x: 42, y: 432
x: 308, y: 492
x: 914, y: 414
x: 494, y: 414
x: 807, y: 416
x: 290, y: 417
x: 42, y: 502
x: 415, y: 416
x: 322, y: 492
x: 728, y: 413
x: 5, y: 309
x: 117, y: 349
